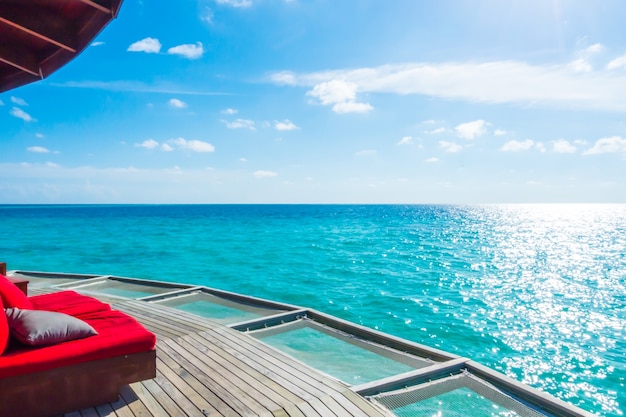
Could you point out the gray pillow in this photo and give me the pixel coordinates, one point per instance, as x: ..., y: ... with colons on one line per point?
x: 38, y: 327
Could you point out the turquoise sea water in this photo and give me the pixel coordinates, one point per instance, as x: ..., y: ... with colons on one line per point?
x: 537, y: 292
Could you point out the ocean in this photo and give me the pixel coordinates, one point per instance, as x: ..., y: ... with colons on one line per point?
x: 537, y: 292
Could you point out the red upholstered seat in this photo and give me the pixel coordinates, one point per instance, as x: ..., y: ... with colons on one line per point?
x: 118, y: 334
x: 68, y: 302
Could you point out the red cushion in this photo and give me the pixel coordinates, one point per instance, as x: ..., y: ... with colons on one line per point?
x: 4, y: 329
x: 118, y: 334
x: 13, y: 296
x: 68, y: 302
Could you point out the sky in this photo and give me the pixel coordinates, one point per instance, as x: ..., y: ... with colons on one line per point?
x: 326, y: 101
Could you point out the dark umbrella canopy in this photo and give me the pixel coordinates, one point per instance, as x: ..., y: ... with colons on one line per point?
x: 37, y: 37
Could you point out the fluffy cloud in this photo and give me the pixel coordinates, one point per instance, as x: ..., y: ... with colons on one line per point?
x: 437, y: 131
x: 235, y: 3
x: 341, y: 94
x: 432, y: 160
x: 21, y: 114
x: 176, y: 103
x: 189, y: 51
x: 489, y: 82
x: 613, y: 144
x: 240, y: 124
x: 407, y: 140
x: 37, y: 149
x: 471, y: 130
x: 450, y: 147
x: 192, y: 145
x: 39, y: 135
x: 285, y: 125
x: 563, y: 146
x: 148, y: 144
x: 19, y: 101
x: 617, y: 63
x: 147, y: 45
x: 98, y: 43
x: 264, y: 174
x: 517, y: 146
x: 178, y: 143
x: 230, y: 111
x: 499, y: 132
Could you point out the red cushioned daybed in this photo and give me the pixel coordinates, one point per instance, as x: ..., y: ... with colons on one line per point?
x: 47, y: 379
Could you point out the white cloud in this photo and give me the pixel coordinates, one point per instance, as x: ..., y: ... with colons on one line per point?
x: 437, y: 131
x: 177, y: 104
x: 19, y: 101
x: 617, y: 63
x: 167, y: 147
x: 147, y: 45
x: 407, y: 140
x: 540, y: 147
x: 352, y: 107
x: 471, y: 130
x: 235, y: 3
x: 563, y: 146
x: 517, y: 146
x: 148, y: 144
x: 39, y: 135
x: 595, y: 48
x: 432, y: 160
x: 450, y: 147
x: 21, y: 114
x: 230, y: 111
x: 37, y: 149
x: 499, y: 132
x: 189, y: 51
x: 192, y: 145
x: 207, y: 16
x: 283, y: 78
x: 285, y: 125
x: 97, y: 43
x: 244, y: 160
x: 265, y: 174
x: 613, y: 144
x: 240, y: 124
x: 52, y: 165
x: 488, y: 82
x: 335, y: 91
x: 367, y: 152
x: 341, y: 94
x: 581, y: 65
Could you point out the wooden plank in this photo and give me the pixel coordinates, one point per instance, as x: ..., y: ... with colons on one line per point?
x: 168, y: 368
x: 151, y: 404
x: 120, y: 409
x: 256, y: 380
x: 134, y: 403
x: 222, y: 382
x: 170, y: 407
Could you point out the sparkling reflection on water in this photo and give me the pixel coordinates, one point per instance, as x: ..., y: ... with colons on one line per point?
x: 555, y: 289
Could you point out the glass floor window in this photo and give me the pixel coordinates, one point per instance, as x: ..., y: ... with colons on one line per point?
x: 351, y: 360
x: 127, y: 289
x: 218, y: 309
x: 454, y: 396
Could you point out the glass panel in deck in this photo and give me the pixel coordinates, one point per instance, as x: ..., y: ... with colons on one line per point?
x: 351, y: 360
x: 218, y: 309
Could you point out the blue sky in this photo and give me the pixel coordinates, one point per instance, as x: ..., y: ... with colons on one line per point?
x: 320, y: 101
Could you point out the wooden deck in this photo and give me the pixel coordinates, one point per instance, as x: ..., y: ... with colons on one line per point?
x: 206, y: 369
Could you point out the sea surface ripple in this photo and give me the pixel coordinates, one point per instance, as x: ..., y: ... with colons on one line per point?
x: 537, y: 292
